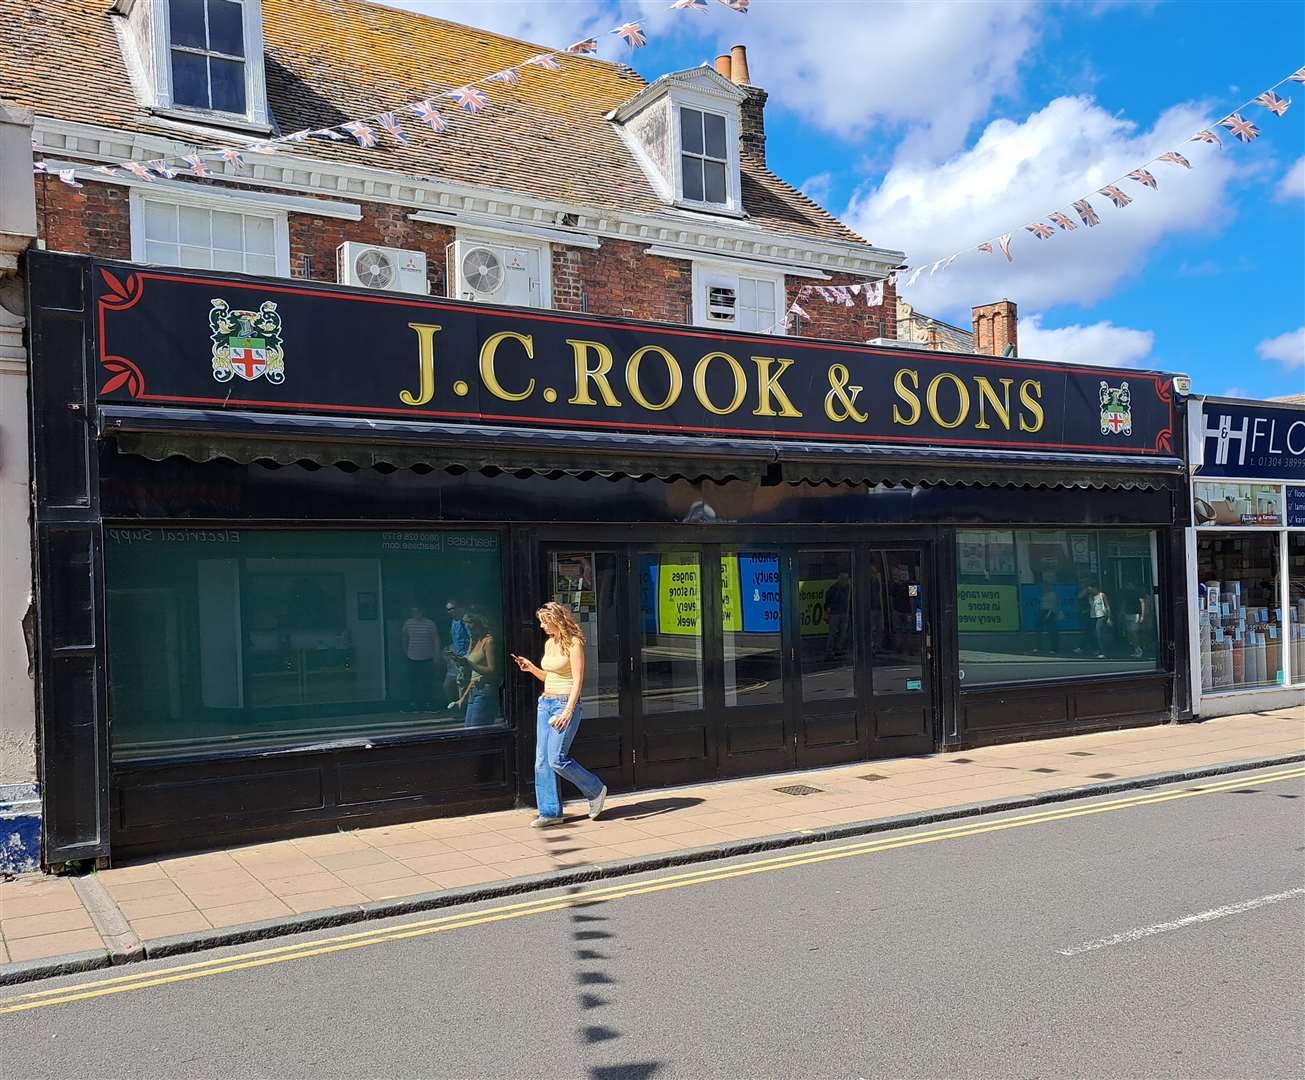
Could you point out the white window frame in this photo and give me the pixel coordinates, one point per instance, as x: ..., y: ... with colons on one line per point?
x: 707, y: 276
x: 490, y: 237
x: 255, y: 78
x: 249, y: 208
x: 683, y: 99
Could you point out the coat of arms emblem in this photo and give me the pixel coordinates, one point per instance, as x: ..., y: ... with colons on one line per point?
x: 246, y: 343
x: 1116, y: 409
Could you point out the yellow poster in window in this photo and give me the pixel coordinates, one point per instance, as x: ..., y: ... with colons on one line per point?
x: 679, y: 596
x: 731, y: 611
x: 811, y: 607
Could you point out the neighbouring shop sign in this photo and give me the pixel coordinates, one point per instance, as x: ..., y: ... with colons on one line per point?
x: 1246, y: 441
x: 213, y: 341
x: 1296, y: 507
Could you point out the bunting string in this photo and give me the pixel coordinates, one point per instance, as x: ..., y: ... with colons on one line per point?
x: 1238, y: 126
x: 368, y: 131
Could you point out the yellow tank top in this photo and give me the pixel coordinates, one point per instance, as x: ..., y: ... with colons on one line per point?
x: 557, y: 670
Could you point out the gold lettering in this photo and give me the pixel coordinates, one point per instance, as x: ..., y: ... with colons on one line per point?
x: 840, y: 402
x: 907, y: 395
x: 768, y: 387
x: 932, y: 398
x: 489, y: 376
x: 425, y: 366
x: 672, y: 370
x: 598, y: 373
x: 1030, y: 398
x: 700, y: 383
x: 989, y: 395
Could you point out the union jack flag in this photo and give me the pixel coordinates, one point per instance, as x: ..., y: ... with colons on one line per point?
x: 69, y: 177
x: 1115, y: 196
x: 161, y: 167
x: 1003, y: 242
x: 139, y: 170
x: 588, y: 45
x: 1242, y: 128
x: 390, y: 123
x: 874, y: 294
x: 1145, y: 178
x: 844, y: 296
x: 430, y: 116
x: 298, y: 136
x: 1273, y: 103
x: 362, y: 133
x: 1041, y: 231
x: 741, y: 6
x: 469, y: 98
x: 107, y: 170
x: 264, y: 148
x: 632, y: 34
x: 914, y: 276
x: 689, y: 5
x: 987, y: 248
x: 39, y: 167
x: 1298, y: 76
x: 1206, y: 137
x: 234, y: 156
x: 794, y: 309
x: 197, y: 164
x: 1175, y: 158
x: 1086, y: 214
x: 329, y: 133
x: 1064, y: 221
x: 507, y: 76
x: 547, y: 61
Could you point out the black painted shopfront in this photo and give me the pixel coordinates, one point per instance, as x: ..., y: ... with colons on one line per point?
x: 265, y: 510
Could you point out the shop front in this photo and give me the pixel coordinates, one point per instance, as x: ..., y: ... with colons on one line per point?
x: 1246, y: 554
x: 287, y: 535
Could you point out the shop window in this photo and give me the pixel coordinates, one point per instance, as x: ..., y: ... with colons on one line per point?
x: 1239, y: 614
x: 670, y: 631
x: 827, y: 604
x: 704, y: 157
x: 752, y: 628
x: 232, y: 638
x: 1056, y: 604
x: 169, y: 232
x: 1296, y: 604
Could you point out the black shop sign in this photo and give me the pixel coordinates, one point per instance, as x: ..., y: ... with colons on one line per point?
x: 212, y: 341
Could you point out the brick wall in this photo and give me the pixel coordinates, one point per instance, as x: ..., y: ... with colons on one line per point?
x: 91, y: 220
x: 620, y: 279
x: 313, y: 241
x: 832, y: 320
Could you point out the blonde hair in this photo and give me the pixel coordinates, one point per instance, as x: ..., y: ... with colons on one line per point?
x: 560, y: 624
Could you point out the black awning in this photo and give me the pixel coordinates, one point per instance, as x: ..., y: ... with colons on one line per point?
x: 247, y: 437
x: 284, y: 439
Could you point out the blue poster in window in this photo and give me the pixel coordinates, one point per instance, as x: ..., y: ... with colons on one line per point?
x: 759, y: 584
x: 1295, y: 507
x: 649, y: 565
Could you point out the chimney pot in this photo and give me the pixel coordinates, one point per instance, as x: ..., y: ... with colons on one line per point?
x: 995, y: 327
x: 739, y: 65
x: 724, y: 65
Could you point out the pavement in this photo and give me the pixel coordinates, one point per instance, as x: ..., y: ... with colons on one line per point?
x: 50, y: 925
x: 1154, y: 934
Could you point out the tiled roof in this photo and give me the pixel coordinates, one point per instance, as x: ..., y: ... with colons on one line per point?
x: 329, y: 61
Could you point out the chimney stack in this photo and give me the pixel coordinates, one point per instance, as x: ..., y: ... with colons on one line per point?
x: 724, y: 65
x: 995, y: 328
x: 752, y: 111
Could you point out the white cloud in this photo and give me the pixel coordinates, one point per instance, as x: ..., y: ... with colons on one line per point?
x: 818, y: 187
x: 845, y: 67
x: 1292, y: 185
x: 1235, y: 391
x: 1019, y: 172
x: 1287, y: 349
x: 1098, y: 343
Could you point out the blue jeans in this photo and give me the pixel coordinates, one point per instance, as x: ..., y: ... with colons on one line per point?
x: 482, y: 705
x: 552, y: 749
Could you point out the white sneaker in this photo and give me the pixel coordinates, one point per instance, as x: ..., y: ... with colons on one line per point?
x: 542, y: 822
x: 597, y: 803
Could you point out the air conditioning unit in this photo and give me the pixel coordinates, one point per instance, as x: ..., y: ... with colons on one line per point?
x: 386, y: 269
x: 494, y: 273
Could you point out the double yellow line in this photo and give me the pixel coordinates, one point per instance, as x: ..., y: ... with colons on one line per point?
x: 144, y: 980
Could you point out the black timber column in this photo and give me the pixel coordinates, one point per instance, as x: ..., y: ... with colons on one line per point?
x: 71, y: 707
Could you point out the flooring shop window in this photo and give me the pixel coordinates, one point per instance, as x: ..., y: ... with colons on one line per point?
x: 178, y: 234
x: 229, y: 638
x: 1239, y: 615
x: 207, y: 39
x: 1053, y: 604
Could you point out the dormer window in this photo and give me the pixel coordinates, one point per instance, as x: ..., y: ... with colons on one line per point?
x: 197, y: 61
x: 704, y: 157
x: 207, y: 42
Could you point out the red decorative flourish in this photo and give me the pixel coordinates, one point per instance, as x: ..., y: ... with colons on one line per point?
x: 125, y: 294
x: 122, y: 373
x: 1164, y: 389
x: 1165, y: 441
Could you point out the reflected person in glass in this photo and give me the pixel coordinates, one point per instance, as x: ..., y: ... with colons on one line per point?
x: 562, y: 671
x: 480, y: 666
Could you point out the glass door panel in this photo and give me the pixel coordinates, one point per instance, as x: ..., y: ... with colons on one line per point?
x: 670, y: 631
x: 827, y: 629
x: 751, y: 627
x: 899, y: 648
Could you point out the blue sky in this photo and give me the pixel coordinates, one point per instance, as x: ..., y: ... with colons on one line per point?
x: 930, y: 127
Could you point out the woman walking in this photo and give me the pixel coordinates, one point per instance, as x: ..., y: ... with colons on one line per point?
x: 562, y: 671
x: 480, y: 698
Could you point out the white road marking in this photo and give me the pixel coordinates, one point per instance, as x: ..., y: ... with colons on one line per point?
x: 1141, y: 932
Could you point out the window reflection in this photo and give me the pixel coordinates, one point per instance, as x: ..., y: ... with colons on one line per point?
x: 588, y: 582
x: 827, y: 603
x: 897, y: 607
x: 670, y: 630
x: 752, y: 627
